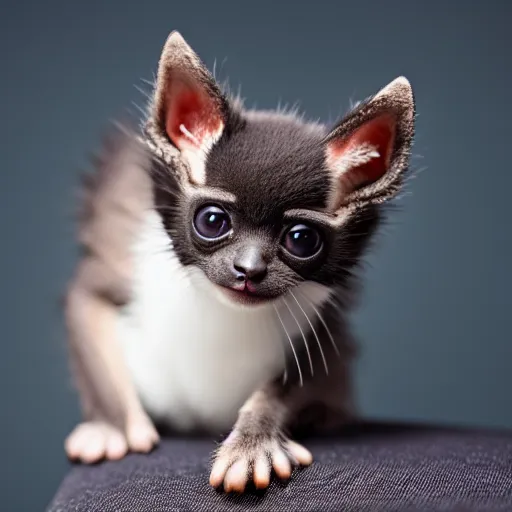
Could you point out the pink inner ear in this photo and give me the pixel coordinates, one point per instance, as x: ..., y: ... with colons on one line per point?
x: 348, y: 153
x: 191, y: 118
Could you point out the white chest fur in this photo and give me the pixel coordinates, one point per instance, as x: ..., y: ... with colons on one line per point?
x: 195, y: 359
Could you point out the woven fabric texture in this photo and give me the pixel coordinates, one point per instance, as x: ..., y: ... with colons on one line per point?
x: 368, y: 468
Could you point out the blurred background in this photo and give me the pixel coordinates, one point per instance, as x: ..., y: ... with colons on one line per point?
x: 435, y: 320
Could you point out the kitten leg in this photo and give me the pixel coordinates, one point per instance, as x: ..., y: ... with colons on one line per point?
x: 115, y: 421
x: 115, y: 200
x: 258, y: 444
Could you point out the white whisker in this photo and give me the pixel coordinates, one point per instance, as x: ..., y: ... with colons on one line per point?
x: 291, y: 345
x: 314, y: 333
x: 303, y: 336
x: 324, y: 324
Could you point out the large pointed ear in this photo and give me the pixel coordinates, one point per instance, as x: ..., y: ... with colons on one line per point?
x: 188, y: 107
x: 368, y: 151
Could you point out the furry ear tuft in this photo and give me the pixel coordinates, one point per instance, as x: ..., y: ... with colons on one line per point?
x: 368, y: 151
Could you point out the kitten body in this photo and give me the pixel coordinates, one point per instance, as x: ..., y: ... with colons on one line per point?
x: 220, y: 247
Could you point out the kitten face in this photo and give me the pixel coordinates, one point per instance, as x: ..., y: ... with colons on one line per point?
x: 249, y: 227
x: 267, y: 200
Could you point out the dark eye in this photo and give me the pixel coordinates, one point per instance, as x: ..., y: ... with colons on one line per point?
x: 212, y: 222
x: 302, y: 241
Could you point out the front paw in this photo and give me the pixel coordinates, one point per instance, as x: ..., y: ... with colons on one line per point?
x: 93, y: 441
x: 245, y: 457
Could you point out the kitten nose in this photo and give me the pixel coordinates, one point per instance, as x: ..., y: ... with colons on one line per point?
x: 249, y: 264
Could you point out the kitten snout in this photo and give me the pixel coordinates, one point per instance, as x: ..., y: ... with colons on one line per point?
x: 250, y: 265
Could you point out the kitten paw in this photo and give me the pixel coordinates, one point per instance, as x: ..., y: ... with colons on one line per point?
x: 93, y: 441
x: 242, y: 458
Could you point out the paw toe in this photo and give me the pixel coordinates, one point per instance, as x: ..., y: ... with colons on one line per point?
x: 141, y: 437
x: 236, y: 477
x: 74, y: 442
x: 93, y: 448
x: 261, y: 473
x: 281, y: 464
x: 116, y: 446
x: 218, y: 471
x: 299, y: 453
x: 85, y: 443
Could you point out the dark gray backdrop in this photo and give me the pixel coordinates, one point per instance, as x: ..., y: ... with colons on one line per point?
x: 435, y: 321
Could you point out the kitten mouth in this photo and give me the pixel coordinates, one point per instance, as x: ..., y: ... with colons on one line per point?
x: 243, y: 295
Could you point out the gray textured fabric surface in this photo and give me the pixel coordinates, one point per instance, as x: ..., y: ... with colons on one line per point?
x: 368, y: 468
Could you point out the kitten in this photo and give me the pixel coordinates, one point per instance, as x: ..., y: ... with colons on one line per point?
x: 220, y: 246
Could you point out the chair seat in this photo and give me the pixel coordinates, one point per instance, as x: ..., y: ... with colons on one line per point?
x: 372, y: 467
